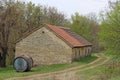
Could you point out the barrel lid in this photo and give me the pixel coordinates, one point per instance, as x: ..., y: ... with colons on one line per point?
x: 20, y: 64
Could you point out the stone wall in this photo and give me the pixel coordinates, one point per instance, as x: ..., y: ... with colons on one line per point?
x: 82, y: 52
x: 45, y: 48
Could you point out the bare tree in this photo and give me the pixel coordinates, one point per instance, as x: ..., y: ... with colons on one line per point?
x: 18, y: 18
x: 8, y: 20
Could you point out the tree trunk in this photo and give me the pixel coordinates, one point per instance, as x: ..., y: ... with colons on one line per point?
x: 3, y: 61
x: 3, y: 58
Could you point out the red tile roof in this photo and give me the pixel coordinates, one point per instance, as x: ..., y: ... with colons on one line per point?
x: 74, y: 42
x: 70, y: 37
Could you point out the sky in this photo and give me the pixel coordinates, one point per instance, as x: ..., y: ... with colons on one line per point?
x: 69, y: 7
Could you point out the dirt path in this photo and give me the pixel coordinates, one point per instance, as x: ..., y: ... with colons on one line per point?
x: 67, y: 74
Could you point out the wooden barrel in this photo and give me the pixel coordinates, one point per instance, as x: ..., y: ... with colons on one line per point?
x: 23, y: 63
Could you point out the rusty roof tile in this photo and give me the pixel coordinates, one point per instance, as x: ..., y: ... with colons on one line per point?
x: 69, y: 36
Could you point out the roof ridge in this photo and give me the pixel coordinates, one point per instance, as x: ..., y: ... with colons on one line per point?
x: 78, y: 37
x: 67, y: 37
x: 66, y: 34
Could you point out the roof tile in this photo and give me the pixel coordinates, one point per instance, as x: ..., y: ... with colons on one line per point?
x: 66, y: 36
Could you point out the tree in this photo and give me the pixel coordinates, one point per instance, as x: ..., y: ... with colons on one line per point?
x: 32, y: 15
x: 19, y: 18
x: 9, y: 19
x: 86, y: 27
x: 110, y: 30
x: 52, y: 16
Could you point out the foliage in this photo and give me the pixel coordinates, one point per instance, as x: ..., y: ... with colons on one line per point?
x: 110, y: 28
x: 110, y: 38
x: 9, y: 19
x: 54, y: 17
x: 100, y: 73
x: 107, y: 71
x: 19, y: 18
x: 86, y: 27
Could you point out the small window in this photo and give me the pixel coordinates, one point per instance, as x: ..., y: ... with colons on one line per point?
x: 43, y: 32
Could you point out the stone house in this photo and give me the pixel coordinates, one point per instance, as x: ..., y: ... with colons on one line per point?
x: 53, y: 45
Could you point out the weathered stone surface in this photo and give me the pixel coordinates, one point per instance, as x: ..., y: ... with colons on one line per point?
x: 45, y: 48
x: 82, y: 52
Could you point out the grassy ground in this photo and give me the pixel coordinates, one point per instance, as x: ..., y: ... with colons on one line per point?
x: 100, y: 73
x: 9, y: 72
x: 116, y: 78
x: 89, y: 74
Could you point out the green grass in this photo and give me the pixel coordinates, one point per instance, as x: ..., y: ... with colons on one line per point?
x: 100, y: 73
x: 9, y: 72
x: 90, y: 74
x: 116, y: 78
x: 87, y: 60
